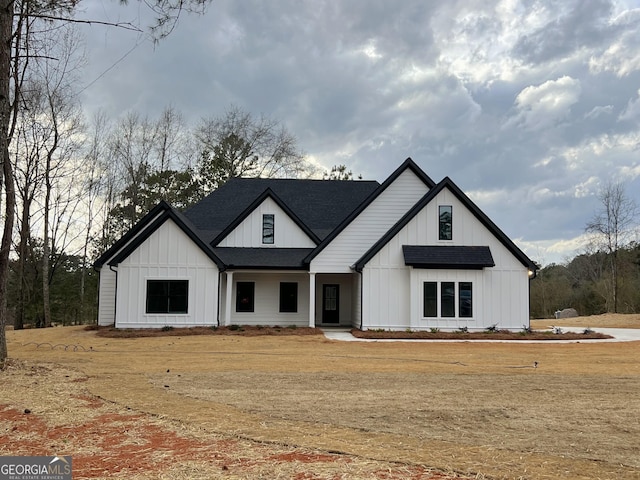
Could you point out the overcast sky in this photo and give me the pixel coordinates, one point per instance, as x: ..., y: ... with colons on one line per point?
x: 529, y: 106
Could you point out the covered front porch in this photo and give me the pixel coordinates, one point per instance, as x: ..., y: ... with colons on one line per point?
x: 289, y: 298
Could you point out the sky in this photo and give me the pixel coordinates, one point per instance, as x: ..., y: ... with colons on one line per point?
x: 530, y: 107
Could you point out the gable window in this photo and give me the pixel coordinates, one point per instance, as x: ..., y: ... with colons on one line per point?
x: 445, y: 222
x: 268, y: 221
x: 288, y: 297
x: 167, y: 296
x: 245, y: 296
x: 430, y: 299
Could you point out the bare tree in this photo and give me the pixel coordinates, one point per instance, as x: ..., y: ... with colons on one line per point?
x: 96, y: 187
x: 239, y: 145
x: 17, y: 17
x: 612, y: 228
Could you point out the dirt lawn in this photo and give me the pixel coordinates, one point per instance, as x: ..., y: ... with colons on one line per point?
x: 305, y: 407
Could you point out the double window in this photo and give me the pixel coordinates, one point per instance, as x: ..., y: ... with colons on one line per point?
x: 440, y: 299
x: 167, y: 296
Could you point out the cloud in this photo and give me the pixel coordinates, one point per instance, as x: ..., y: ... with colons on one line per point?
x: 543, y: 106
x: 516, y: 101
x: 632, y: 111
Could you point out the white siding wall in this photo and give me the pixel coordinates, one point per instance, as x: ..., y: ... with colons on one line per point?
x: 168, y: 254
x: 392, y: 292
x: 249, y: 233
x: 370, y: 225
x: 267, y: 299
x: 107, y: 296
x: 107, y: 292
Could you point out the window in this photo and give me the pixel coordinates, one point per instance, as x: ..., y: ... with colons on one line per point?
x: 288, y: 297
x: 445, y: 227
x: 430, y: 299
x: 446, y: 297
x: 245, y: 296
x: 167, y: 296
x: 465, y: 300
x: 268, y: 221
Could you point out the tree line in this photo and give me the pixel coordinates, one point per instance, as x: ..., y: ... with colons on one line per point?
x: 605, y: 276
x: 80, y: 188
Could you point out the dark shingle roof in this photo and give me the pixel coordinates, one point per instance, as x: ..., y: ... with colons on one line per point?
x: 261, y: 258
x: 447, y: 256
x: 320, y: 204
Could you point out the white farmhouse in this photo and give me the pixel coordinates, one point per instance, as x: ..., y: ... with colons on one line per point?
x: 404, y: 254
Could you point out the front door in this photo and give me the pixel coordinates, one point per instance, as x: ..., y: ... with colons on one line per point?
x: 330, y: 303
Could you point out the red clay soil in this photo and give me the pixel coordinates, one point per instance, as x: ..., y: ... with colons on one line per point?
x: 116, y: 445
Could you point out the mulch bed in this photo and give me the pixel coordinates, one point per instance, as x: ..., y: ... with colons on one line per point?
x: 242, y: 330
x: 497, y: 335
x: 254, y: 331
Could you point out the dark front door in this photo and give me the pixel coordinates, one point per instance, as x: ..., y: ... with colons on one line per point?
x: 330, y: 303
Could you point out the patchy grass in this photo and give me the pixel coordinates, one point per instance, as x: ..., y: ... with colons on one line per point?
x: 372, y: 410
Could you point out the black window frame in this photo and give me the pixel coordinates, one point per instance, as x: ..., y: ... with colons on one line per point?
x: 445, y: 225
x: 268, y: 228
x: 448, y: 299
x: 465, y: 304
x: 288, y: 297
x: 245, y: 297
x: 430, y: 299
x: 167, y: 297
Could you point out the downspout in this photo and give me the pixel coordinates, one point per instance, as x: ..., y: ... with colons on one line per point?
x: 361, y: 302
x: 220, y: 272
x: 115, y: 309
x: 532, y: 274
x: 358, y: 269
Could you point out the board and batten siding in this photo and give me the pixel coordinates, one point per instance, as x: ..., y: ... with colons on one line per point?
x: 107, y: 290
x: 107, y: 296
x: 267, y: 299
x: 372, y: 223
x: 287, y: 234
x: 392, y: 291
x: 168, y: 254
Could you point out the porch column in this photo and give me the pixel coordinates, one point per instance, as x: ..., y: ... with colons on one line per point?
x: 227, y: 299
x: 312, y: 299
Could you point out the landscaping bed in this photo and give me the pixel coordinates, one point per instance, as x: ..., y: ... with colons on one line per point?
x: 242, y: 330
x: 586, y: 334
x: 254, y: 331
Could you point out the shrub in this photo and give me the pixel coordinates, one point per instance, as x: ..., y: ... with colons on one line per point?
x: 234, y: 327
x: 492, y: 328
x: 463, y: 330
x: 587, y: 331
x: 292, y: 327
x: 434, y: 329
x: 526, y: 330
x: 167, y: 328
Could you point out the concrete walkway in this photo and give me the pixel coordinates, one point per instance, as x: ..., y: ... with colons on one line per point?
x: 618, y: 334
